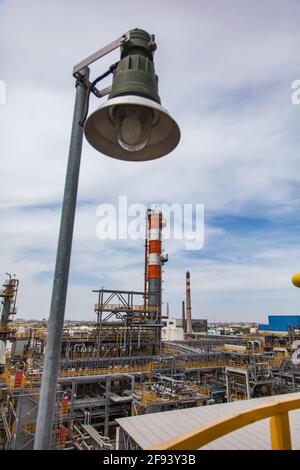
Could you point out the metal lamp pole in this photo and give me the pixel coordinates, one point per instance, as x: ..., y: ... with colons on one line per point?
x: 47, y: 399
x: 59, y: 292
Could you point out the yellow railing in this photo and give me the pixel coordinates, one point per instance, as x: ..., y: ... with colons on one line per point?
x: 147, y: 368
x: 279, y: 426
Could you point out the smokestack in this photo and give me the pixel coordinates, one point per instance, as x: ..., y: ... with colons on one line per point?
x: 183, y: 317
x: 155, y: 260
x: 189, y: 328
x: 146, y: 264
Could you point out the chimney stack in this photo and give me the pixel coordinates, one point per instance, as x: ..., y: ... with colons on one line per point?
x: 183, y: 317
x: 189, y: 328
x: 153, y: 264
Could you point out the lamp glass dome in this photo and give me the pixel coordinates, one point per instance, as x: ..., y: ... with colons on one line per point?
x: 132, y: 128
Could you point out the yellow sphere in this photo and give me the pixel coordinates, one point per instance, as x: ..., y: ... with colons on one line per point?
x: 296, y: 279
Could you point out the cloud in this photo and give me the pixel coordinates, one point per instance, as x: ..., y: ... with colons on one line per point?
x: 225, y: 73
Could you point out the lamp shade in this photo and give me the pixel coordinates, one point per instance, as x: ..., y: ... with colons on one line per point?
x: 132, y: 128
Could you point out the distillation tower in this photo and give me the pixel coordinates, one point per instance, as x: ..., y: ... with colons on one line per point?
x: 8, y: 296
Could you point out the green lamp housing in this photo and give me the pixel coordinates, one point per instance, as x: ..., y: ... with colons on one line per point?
x: 135, y: 74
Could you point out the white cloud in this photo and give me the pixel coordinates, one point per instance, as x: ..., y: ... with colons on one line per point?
x: 225, y: 73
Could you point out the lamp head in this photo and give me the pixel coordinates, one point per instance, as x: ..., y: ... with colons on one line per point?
x: 132, y: 125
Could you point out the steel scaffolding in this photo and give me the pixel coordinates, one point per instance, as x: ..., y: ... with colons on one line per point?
x: 125, y: 325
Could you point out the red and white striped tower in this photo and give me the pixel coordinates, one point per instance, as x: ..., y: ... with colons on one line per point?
x: 155, y: 260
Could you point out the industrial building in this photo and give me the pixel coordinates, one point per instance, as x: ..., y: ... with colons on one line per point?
x: 133, y: 366
x: 283, y: 324
x: 199, y: 325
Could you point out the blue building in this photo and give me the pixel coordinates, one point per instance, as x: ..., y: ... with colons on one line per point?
x: 280, y: 323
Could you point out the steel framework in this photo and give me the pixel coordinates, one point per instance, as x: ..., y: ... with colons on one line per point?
x: 125, y: 326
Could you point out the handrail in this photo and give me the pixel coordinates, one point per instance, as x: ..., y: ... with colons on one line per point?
x: 279, y: 426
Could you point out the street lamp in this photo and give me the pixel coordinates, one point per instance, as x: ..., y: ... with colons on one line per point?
x: 131, y: 125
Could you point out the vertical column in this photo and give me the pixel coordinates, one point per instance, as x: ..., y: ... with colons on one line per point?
x: 8, y: 295
x: 107, y: 406
x: 183, y: 317
x: 146, y: 263
x: 47, y: 399
x: 154, y: 219
x: 189, y: 328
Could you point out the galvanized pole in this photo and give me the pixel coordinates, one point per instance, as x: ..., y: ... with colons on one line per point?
x: 59, y: 291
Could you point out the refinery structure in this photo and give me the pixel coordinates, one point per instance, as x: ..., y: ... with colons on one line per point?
x: 137, y: 377
x: 134, y: 361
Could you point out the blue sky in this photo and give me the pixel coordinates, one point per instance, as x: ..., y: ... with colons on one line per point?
x: 225, y: 73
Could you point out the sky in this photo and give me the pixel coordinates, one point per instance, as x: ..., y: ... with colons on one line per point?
x: 225, y: 74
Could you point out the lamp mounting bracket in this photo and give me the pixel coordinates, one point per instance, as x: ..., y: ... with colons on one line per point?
x: 93, y: 58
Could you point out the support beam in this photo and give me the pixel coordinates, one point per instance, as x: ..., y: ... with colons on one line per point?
x: 107, y: 407
x: 280, y: 432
